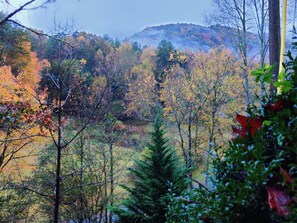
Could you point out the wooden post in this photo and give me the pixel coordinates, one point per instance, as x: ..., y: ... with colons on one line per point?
x: 274, y: 39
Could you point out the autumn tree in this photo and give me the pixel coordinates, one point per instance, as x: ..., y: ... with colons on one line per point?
x: 146, y: 79
x: 218, y: 70
x: 15, y: 48
x: 92, y: 166
x: 22, y: 121
x: 85, y: 188
x: 253, y: 177
x: 19, y: 98
x: 93, y: 50
x: 184, y: 95
x: 199, y: 101
x: 141, y: 96
x: 119, y: 64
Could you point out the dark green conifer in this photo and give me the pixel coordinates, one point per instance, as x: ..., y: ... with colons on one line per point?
x: 158, y: 171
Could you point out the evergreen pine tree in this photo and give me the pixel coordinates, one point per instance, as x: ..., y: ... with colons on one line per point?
x: 154, y: 175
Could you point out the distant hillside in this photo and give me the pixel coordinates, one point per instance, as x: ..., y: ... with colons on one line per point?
x: 191, y: 36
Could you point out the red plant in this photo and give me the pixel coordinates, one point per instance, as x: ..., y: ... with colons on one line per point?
x: 278, y: 200
x: 249, y: 126
x: 277, y: 106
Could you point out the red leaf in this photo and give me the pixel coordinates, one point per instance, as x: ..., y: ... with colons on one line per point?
x: 238, y: 132
x: 242, y: 120
x: 255, y: 124
x: 278, y: 200
x: 248, y: 125
x: 277, y: 106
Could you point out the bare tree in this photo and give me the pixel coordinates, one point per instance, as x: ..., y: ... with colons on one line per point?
x: 236, y: 14
x: 259, y: 9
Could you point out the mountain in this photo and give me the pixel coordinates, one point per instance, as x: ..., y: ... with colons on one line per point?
x: 193, y: 37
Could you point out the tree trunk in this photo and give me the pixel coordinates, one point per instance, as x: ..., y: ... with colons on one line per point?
x: 81, y: 208
x: 190, y: 155
x: 274, y: 39
x: 59, y: 150
x: 244, y: 54
x: 104, y: 201
x: 211, y: 144
x: 111, y: 169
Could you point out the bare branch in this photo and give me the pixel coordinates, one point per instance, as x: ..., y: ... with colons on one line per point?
x: 196, y: 181
x: 22, y: 138
x: 31, y: 190
x: 6, y: 19
x: 82, y: 185
x: 38, y: 33
x: 86, y: 124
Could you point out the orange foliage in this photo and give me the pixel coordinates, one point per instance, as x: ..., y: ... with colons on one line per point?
x: 23, y: 86
x: 21, y: 119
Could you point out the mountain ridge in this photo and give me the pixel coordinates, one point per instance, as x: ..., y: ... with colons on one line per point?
x: 193, y: 36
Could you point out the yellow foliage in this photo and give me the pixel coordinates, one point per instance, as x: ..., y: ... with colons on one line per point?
x: 212, y: 85
x: 141, y: 92
x: 83, y: 61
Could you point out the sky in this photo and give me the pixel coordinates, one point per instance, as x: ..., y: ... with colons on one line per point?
x: 117, y: 18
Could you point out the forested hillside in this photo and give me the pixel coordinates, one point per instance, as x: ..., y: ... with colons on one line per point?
x: 180, y: 123
x: 193, y: 37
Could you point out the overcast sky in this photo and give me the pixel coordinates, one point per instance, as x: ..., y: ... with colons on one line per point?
x: 117, y: 18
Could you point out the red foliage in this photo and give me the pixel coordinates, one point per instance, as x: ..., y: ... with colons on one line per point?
x: 278, y: 200
x: 249, y: 126
x: 277, y: 106
x: 236, y: 131
x: 45, y: 119
x: 22, y: 115
x: 15, y: 114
